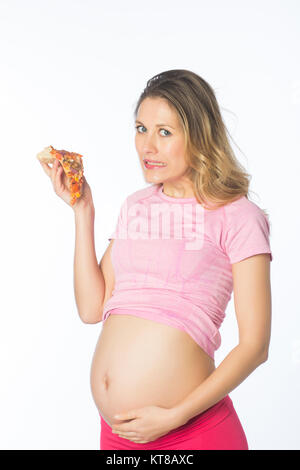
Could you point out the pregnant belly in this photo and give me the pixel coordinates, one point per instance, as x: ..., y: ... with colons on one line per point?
x: 138, y: 362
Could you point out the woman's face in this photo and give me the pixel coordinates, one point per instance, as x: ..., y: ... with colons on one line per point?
x: 160, y: 137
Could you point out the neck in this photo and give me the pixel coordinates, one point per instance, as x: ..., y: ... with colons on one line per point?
x: 179, y: 190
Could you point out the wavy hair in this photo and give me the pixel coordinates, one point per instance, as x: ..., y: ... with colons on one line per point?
x: 216, y: 175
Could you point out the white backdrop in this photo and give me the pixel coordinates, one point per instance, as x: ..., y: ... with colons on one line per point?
x: 71, y: 73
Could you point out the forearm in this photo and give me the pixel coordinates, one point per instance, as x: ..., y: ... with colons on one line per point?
x: 233, y: 370
x: 89, y: 284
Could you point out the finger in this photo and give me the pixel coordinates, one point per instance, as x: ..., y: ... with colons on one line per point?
x: 124, y: 428
x: 133, y: 439
x: 58, y: 173
x: 123, y: 433
x: 46, y: 168
x: 127, y: 415
x: 53, y: 171
x: 138, y: 441
x: 58, y: 182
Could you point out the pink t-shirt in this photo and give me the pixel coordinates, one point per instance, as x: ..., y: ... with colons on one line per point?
x: 172, y: 260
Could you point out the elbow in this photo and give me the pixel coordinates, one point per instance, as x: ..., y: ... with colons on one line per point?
x: 91, y: 318
x: 91, y: 321
x: 263, y: 352
x: 262, y: 356
x: 265, y: 355
x: 258, y: 354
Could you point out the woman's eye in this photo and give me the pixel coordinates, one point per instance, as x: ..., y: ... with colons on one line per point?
x: 169, y: 133
x: 165, y: 131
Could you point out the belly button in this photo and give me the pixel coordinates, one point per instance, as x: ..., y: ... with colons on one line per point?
x: 106, y: 381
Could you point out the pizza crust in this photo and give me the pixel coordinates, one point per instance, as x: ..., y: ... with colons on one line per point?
x: 45, y: 156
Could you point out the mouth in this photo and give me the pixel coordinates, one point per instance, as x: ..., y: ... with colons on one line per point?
x: 153, y: 164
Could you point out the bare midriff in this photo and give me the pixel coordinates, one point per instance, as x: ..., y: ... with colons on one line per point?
x: 139, y: 362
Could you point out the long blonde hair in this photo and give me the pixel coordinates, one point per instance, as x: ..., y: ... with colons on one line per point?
x: 217, y: 176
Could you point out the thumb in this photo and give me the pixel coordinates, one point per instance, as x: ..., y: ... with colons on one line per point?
x: 127, y: 415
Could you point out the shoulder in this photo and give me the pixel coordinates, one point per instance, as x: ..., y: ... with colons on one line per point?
x: 245, y: 231
x: 243, y: 210
x: 243, y: 204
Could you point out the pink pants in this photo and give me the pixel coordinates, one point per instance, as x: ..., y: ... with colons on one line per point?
x: 217, y: 428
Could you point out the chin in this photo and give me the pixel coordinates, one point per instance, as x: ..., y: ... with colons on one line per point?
x: 154, y: 179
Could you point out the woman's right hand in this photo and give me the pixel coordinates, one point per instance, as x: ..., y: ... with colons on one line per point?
x: 61, y: 186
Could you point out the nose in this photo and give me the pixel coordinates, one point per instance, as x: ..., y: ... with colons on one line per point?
x: 148, y: 143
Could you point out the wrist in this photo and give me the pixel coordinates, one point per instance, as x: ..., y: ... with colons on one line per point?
x: 83, y: 208
x: 178, y: 416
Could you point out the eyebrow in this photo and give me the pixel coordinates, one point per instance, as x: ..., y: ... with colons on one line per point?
x: 157, y: 125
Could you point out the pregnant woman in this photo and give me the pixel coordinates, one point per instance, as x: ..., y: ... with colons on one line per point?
x: 180, y: 247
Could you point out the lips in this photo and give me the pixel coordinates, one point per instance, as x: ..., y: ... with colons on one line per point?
x: 154, y: 165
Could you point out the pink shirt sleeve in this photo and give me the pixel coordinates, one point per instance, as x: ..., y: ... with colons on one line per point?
x: 247, y: 231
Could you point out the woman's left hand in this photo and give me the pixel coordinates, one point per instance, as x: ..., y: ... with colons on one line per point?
x: 146, y: 424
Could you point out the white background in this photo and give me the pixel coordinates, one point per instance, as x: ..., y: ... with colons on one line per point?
x: 71, y: 73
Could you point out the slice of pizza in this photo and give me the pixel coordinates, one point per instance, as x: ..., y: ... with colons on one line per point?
x: 72, y: 166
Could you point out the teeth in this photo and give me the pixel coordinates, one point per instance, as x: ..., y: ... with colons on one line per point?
x: 159, y: 164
